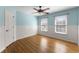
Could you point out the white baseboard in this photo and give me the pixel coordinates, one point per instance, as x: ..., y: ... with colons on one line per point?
x: 25, y: 31
x: 25, y: 36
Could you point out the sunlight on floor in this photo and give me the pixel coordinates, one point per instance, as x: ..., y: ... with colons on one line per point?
x: 43, y: 44
x: 59, y: 48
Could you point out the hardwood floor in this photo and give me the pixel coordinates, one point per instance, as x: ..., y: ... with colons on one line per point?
x: 41, y: 44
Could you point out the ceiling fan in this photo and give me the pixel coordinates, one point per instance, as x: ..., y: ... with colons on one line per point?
x: 40, y: 10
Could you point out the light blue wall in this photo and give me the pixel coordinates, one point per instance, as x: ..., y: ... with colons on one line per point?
x: 1, y: 16
x: 26, y: 24
x: 72, y: 14
x: 72, y: 35
x: 23, y: 19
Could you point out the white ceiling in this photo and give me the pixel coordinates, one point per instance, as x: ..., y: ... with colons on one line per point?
x: 30, y: 10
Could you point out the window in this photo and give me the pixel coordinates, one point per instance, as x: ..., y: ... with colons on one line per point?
x: 61, y: 24
x: 44, y: 25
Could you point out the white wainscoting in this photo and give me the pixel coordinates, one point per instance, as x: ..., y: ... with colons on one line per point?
x: 71, y: 35
x: 25, y: 31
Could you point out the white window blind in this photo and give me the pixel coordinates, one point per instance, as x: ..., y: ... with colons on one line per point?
x: 61, y: 24
x: 44, y: 24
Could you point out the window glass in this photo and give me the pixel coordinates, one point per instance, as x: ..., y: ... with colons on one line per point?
x: 61, y: 24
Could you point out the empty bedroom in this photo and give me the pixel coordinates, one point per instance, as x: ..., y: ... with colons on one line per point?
x: 39, y: 29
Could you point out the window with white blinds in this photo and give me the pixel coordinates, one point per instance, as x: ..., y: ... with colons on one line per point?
x: 61, y: 24
x: 44, y: 24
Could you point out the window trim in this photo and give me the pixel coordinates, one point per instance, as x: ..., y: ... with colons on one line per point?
x: 41, y: 24
x: 65, y: 32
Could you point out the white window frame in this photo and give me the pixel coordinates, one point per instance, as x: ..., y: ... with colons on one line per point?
x: 43, y: 21
x: 61, y: 21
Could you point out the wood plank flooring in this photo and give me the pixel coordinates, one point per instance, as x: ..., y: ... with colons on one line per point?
x: 41, y: 44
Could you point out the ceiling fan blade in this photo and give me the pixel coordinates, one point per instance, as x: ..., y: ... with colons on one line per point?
x: 34, y: 12
x: 35, y: 9
x: 46, y: 9
x: 46, y: 12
